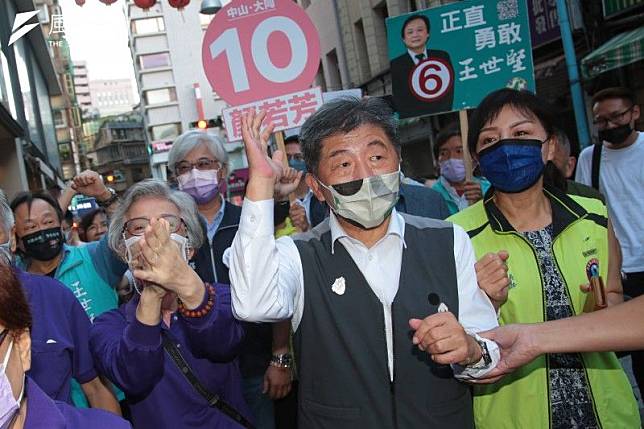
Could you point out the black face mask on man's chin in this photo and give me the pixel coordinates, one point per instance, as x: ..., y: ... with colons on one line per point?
x: 43, y: 245
x: 617, y: 135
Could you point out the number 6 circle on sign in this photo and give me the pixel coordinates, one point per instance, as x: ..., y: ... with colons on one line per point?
x: 257, y: 49
x: 431, y: 79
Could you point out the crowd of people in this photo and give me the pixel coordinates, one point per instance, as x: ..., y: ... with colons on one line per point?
x: 342, y: 293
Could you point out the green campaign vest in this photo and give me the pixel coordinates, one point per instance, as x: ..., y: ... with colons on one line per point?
x: 521, y: 399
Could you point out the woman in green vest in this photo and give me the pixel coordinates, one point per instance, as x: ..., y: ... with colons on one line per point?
x: 556, y: 243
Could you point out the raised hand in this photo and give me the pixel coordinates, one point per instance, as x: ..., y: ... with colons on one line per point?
x: 288, y: 183
x: 472, y: 192
x: 264, y: 171
x: 89, y: 183
x: 164, y: 266
x: 492, y: 277
x: 297, y: 213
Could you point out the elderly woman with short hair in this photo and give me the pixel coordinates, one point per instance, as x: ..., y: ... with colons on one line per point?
x: 198, y: 161
x: 156, y: 229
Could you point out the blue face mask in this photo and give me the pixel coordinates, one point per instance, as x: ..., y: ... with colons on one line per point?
x: 297, y: 164
x: 512, y: 165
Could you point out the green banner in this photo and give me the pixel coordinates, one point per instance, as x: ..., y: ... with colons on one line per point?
x: 614, y: 7
x: 450, y: 57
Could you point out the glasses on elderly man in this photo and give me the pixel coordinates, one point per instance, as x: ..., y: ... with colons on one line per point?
x: 201, y: 164
x: 137, y: 225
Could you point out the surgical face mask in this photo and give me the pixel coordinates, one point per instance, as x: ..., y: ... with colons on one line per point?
x: 44, y: 245
x: 131, y: 255
x: 9, y: 405
x: 617, y: 135
x: 512, y: 165
x: 202, y: 185
x: 297, y: 164
x: 453, y: 170
x: 367, y: 202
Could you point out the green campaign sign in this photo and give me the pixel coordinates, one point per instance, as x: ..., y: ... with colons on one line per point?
x: 450, y: 57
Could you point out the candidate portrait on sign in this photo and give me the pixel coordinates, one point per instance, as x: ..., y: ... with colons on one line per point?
x: 422, y: 78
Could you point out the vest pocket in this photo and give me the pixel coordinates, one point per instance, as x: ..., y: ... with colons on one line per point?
x: 334, y: 413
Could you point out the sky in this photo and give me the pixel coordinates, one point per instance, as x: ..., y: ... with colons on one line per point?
x: 97, y: 33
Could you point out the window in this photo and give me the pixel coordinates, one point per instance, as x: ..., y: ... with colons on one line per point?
x: 166, y: 131
x: 158, y: 96
x: 148, y: 25
x: 361, y: 47
x: 152, y: 61
x: 59, y: 118
x: 65, y: 152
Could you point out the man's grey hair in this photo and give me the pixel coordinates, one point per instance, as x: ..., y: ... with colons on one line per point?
x: 154, y: 188
x: 6, y: 214
x: 192, y: 139
x: 342, y: 116
x: 563, y: 140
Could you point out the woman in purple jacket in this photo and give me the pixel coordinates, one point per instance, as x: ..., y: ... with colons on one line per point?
x: 155, y: 230
x: 22, y: 403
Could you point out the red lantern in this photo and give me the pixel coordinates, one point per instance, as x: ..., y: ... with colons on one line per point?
x: 80, y: 2
x: 179, y: 4
x: 145, y: 4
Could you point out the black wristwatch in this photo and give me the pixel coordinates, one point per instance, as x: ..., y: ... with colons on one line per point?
x: 486, y: 359
x: 108, y: 202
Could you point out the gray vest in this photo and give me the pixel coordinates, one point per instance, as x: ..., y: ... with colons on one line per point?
x: 340, y: 344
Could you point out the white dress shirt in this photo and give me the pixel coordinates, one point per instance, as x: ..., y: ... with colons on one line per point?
x: 267, y: 280
x: 412, y: 54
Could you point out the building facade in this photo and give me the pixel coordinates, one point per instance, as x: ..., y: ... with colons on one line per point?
x: 81, y: 87
x: 120, y: 154
x: 28, y: 81
x: 166, y: 52
x: 111, y: 96
x: 65, y: 109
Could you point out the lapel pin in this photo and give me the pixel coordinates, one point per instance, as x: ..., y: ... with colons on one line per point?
x: 339, y: 286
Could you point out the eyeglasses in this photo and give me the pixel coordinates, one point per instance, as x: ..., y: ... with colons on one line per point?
x: 615, y: 119
x: 137, y: 225
x: 201, y: 164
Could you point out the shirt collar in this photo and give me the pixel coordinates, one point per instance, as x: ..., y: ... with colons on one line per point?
x: 396, y: 227
x: 412, y: 54
x: 219, y: 216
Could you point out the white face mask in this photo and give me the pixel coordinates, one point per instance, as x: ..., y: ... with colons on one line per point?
x: 180, y: 240
x: 9, y: 405
x: 367, y: 201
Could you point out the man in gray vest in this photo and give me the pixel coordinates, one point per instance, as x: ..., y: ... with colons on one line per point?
x: 385, y: 307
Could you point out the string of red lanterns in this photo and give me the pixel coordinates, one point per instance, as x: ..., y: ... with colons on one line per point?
x: 145, y: 4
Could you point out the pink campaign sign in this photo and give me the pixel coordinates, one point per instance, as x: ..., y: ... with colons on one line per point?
x: 258, y: 49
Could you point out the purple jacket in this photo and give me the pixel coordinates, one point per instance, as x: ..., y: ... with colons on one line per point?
x: 59, y: 336
x: 131, y: 355
x: 44, y: 412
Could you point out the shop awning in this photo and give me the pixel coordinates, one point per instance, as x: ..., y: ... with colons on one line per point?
x: 621, y: 50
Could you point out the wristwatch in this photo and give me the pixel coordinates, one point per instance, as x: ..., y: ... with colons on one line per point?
x: 486, y: 359
x: 108, y: 202
x: 284, y: 360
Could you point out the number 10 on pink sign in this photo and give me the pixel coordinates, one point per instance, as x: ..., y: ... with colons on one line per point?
x: 256, y: 55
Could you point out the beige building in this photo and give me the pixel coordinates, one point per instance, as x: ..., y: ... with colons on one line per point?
x: 111, y: 96
x: 166, y: 51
